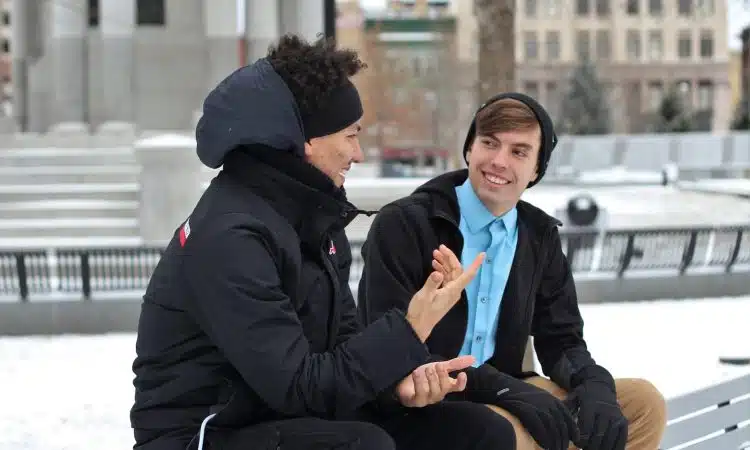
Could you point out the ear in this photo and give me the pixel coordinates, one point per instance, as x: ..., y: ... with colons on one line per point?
x: 308, y: 149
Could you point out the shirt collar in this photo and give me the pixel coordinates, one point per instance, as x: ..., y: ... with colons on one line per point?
x: 476, y: 215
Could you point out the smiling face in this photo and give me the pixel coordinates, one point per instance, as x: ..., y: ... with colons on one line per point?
x: 503, y: 159
x: 334, y: 154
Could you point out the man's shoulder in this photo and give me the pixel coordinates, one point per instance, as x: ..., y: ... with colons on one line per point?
x: 413, y: 206
x: 536, y: 217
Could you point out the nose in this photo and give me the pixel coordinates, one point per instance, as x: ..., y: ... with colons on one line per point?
x: 501, y: 158
x: 358, y: 156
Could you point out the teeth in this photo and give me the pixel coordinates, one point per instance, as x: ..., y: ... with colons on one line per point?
x: 495, y: 180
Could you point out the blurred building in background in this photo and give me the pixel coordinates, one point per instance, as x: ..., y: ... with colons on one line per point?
x: 6, y: 86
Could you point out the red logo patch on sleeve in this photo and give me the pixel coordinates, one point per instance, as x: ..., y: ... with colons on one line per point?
x: 184, y: 233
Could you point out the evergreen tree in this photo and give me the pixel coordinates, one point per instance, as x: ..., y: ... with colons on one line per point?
x: 671, y: 116
x: 584, y: 108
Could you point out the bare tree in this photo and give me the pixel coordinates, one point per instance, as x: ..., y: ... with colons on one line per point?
x: 497, y: 56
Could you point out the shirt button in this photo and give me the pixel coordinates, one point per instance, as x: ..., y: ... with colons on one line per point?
x: 489, y: 260
x: 483, y: 299
x: 479, y: 338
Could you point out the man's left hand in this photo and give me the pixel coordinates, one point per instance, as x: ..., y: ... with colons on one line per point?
x: 601, y: 424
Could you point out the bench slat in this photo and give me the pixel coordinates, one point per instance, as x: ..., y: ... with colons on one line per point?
x: 707, y: 423
x: 732, y: 440
x: 711, y: 396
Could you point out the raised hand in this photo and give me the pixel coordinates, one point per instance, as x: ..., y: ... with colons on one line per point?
x: 438, y: 295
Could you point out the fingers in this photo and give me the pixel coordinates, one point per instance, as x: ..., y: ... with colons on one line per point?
x: 421, y: 387
x: 452, y: 260
x: 462, y: 281
x: 458, y: 363
x: 432, y: 284
x: 437, y: 391
x: 461, y: 380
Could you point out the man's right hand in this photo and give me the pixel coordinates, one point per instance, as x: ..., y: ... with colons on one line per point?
x: 431, y: 303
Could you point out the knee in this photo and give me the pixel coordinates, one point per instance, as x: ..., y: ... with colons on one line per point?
x: 648, y: 402
x: 372, y: 437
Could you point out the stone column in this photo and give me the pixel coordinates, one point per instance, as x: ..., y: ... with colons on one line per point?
x: 261, y: 27
x: 171, y: 183
x: 115, y: 96
x: 222, y: 39
x: 69, y: 52
x: 303, y: 17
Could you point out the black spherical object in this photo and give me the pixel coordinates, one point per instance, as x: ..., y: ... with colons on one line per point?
x: 582, y: 210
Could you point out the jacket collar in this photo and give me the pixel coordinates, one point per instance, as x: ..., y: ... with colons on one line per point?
x: 298, y: 191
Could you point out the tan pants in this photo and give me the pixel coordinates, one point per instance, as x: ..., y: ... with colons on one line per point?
x: 641, y: 403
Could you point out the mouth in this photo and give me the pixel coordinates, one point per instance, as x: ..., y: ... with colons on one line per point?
x: 344, y: 172
x: 495, y: 179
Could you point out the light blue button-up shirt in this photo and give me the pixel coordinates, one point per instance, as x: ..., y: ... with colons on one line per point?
x: 498, y: 237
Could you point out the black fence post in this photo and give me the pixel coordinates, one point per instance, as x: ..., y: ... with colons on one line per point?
x: 735, y: 251
x: 689, y: 253
x: 23, y: 282
x: 85, y: 275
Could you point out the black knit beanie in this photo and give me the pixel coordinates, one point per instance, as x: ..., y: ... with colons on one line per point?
x: 340, y: 109
x: 549, y: 138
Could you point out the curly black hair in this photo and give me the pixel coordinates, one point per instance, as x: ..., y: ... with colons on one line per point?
x: 312, y: 70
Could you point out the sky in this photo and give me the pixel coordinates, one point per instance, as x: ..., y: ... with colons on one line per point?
x: 738, y: 16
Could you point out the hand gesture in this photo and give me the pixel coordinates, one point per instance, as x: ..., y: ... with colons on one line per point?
x: 431, y: 303
x: 430, y: 383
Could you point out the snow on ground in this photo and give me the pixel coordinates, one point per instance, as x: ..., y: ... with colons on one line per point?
x: 74, y: 392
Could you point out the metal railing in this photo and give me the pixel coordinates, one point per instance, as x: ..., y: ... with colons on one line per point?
x: 86, y: 272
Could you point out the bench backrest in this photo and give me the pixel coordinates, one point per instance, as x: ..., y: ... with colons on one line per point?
x: 710, y: 418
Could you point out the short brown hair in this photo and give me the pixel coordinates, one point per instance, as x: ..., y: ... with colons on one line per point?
x: 504, y: 115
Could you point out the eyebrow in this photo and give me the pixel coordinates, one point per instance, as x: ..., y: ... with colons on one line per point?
x: 516, y: 145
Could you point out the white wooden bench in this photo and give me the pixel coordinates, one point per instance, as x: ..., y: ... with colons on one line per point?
x: 714, y: 418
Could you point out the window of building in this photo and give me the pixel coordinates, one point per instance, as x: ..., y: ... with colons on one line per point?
x: 6, y: 18
x: 93, y: 13
x: 705, y: 95
x: 531, y: 7
x: 633, y: 45
x: 685, y: 7
x: 602, y: 8
x: 655, y: 45
x: 684, y: 44
x: 553, y: 8
x: 603, y: 45
x: 553, y: 45
x: 704, y: 8
x: 582, y: 7
x: 4, y: 46
x: 632, y: 7
x: 150, y: 12
x: 583, y: 45
x: 655, y: 94
x: 655, y: 8
x: 531, y: 46
x: 531, y: 88
x: 707, y: 44
x: 685, y: 93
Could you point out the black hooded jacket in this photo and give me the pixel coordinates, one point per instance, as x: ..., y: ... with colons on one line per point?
x: 539, y: 300
x: 249, y: 313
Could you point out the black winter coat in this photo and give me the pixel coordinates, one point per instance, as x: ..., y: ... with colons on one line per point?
x: 249, y: 312
x: 539, y: 300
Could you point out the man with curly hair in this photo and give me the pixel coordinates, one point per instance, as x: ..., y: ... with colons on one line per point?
x: 248, y: 335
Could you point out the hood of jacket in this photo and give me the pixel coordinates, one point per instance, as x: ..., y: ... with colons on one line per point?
x: 252, y: 106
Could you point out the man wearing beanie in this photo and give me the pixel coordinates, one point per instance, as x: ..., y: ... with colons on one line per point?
x: 248, y: 335
x: 524, y: 287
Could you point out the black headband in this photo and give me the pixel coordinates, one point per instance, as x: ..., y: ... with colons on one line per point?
x: 342, y: 108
